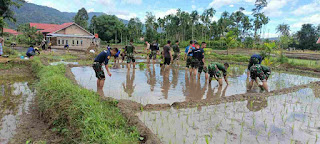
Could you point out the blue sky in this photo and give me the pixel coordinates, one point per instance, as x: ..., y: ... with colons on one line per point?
x: 292, y: 12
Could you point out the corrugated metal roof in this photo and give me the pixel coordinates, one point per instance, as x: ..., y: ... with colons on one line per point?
x: 63, y: 35
x: 11, y: 31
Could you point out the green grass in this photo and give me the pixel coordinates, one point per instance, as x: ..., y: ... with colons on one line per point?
x: 77, y: 113
x: 6, y: 66
x: 62, y: 57
x: 305, y: 63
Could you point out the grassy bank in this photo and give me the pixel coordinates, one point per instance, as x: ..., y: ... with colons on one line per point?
x: 77, y: 113
x: 311, y: 64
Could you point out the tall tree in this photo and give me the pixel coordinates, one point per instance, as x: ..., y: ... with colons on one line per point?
x: 150, y: 21
x: 283, y: 29
x: 260, y: 18
x: 82, y: 18
x: 108, y: 27
x: 6, y: 12
x: 206, y: 18
x: 93, y: 24
x: 194, y: 18
x: 307, y: 37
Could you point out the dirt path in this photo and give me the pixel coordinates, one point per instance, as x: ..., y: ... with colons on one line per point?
x: 22, y: 124
x: 34, y: 130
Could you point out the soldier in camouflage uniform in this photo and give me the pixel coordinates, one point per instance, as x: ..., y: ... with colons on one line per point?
x: 154, y: 47
x: 216, y: 70
x: 261, y: 72
x: 130, y: 50
x: 176, y: 50
x: 255, y: 59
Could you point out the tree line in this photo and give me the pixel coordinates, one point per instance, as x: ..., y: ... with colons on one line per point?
x: 230, y: 30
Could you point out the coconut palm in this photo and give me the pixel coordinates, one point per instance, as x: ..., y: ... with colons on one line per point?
x: 284, y: 29
x: 194, y: 18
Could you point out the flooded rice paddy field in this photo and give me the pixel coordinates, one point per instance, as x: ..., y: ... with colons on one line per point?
x: 152, y: 85
x: 289, y: 118
x: 15, y: 98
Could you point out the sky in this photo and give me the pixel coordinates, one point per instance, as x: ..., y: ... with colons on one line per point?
x: 291, y: 12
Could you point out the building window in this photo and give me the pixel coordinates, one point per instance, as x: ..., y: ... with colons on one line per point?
x: 67, y: 42
x: 81, y: 42
x: 58, y: 42
x: 62, y: 42
x: 72, y: 42
x: 77, y: 42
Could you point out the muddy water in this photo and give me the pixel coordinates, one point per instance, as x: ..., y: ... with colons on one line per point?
x: 290, y: 118
x: 152, y: 85
x: 14, y: 101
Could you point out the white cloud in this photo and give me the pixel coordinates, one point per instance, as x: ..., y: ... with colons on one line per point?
x: 127, y: 17
x: 250, y: 1
x: 162, y: 14
x: 271, y: 35
x: 221, y: 3
x: 136, y: 2
x: 311, y: 8
x: 91, y: 10
x: 193, y: 7
x: 247, y: 12
x: 214, y: 18
x: 109, y: 3
x: 274, y: 7
x: 314, y: 19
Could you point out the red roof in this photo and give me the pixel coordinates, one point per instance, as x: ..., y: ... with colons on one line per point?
x: 42, y: 26
x: 11, y: 31
x: 56, y: 28
x: 318, y: 42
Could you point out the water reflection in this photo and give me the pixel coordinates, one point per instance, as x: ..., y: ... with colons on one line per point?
x: 128, y: 86
x: 175, y: 76
x: 165, y: 87
x: 216, y: 96
x: 155, y: 85
x: 151, y: 77
x: 193, y: 89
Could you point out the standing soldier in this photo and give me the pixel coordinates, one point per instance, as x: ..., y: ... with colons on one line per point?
x: 176, y: 50
x: 188, y: 56
x: 154, y: 47
x: 129, y: 50
x: 202, y: 67
x: 197, y: 56
x: 167, y: 54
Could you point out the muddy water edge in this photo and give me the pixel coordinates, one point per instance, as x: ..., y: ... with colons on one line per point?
x: 20, y: 119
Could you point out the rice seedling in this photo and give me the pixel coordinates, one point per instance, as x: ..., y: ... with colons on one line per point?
x: 226, y: 138
x: 207, y: 140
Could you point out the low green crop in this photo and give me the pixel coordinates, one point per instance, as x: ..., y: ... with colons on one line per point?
x: 77, y: 113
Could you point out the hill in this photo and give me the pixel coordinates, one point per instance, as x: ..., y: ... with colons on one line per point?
x: 30, y: 12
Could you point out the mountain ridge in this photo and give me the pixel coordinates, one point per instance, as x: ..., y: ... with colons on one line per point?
x: 34, y: 13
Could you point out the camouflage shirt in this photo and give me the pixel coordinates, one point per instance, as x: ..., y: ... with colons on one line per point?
x: 175, y: 48
x: 130, y: 49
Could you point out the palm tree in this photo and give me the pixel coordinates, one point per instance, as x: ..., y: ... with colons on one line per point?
x: 284, y: 29
x: 194, y: 18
